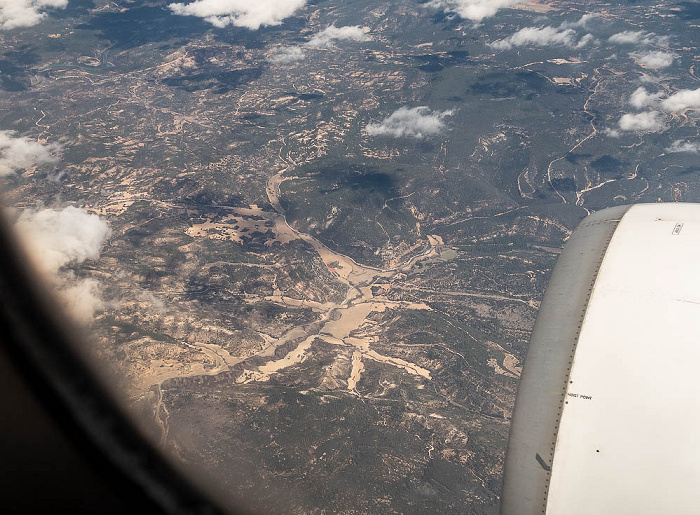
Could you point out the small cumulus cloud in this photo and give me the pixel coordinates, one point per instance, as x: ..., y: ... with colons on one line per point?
x: 691, y: 147
x: 581, y: 22
x: 641, y: 98
x: 251, y: 14
x: 537, y: 36
x: 285, y: 55
x: 648, y: 121
x: 327, y: 37
x: 638, y: 37
x: 57, y: 238
x: 682, y: 100
x: 152, y: 301
x: 588, y: 39
x: 654, y: 59
x: 416, y: 122
x: 18, y: 153
x: 474, y: 10
x: 651, y: 121
x: 563, y: 35
x: 25, y: 13
x: 626, y: 37
x: 83, y: 298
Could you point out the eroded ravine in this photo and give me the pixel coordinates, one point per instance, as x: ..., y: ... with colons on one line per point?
x: 344, y: 324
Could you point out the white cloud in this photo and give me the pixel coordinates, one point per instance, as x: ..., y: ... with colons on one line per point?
x: 655, y: 59
x: 25, y: 13
x: 682, y: 100
x: 17, y: 153
x: 474, y: 10
x: 563, y: 35
x: 537, y: 36
x: 252, y: 14
x: 327, y: 36
x: 638, y: 37
x: 83, y: 298
x: 692, y: 147
x: 641, y: 98
x: 285, y: 55
x: 588, y: 39
x: 57, y: 238
x: 416, y: 122
x: 581, y: 22
x: 154, y: 303
x: 648, y: 121
x: 627, y: 37
x: 679, y: 101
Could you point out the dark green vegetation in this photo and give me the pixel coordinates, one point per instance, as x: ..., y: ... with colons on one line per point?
x: 335, y: 440
x: 348, y: 196
x: 172, y: 131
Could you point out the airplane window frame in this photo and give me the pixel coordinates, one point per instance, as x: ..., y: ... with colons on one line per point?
x: 43, y: 348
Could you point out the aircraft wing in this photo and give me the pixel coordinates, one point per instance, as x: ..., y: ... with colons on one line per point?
x: 607, y: 417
